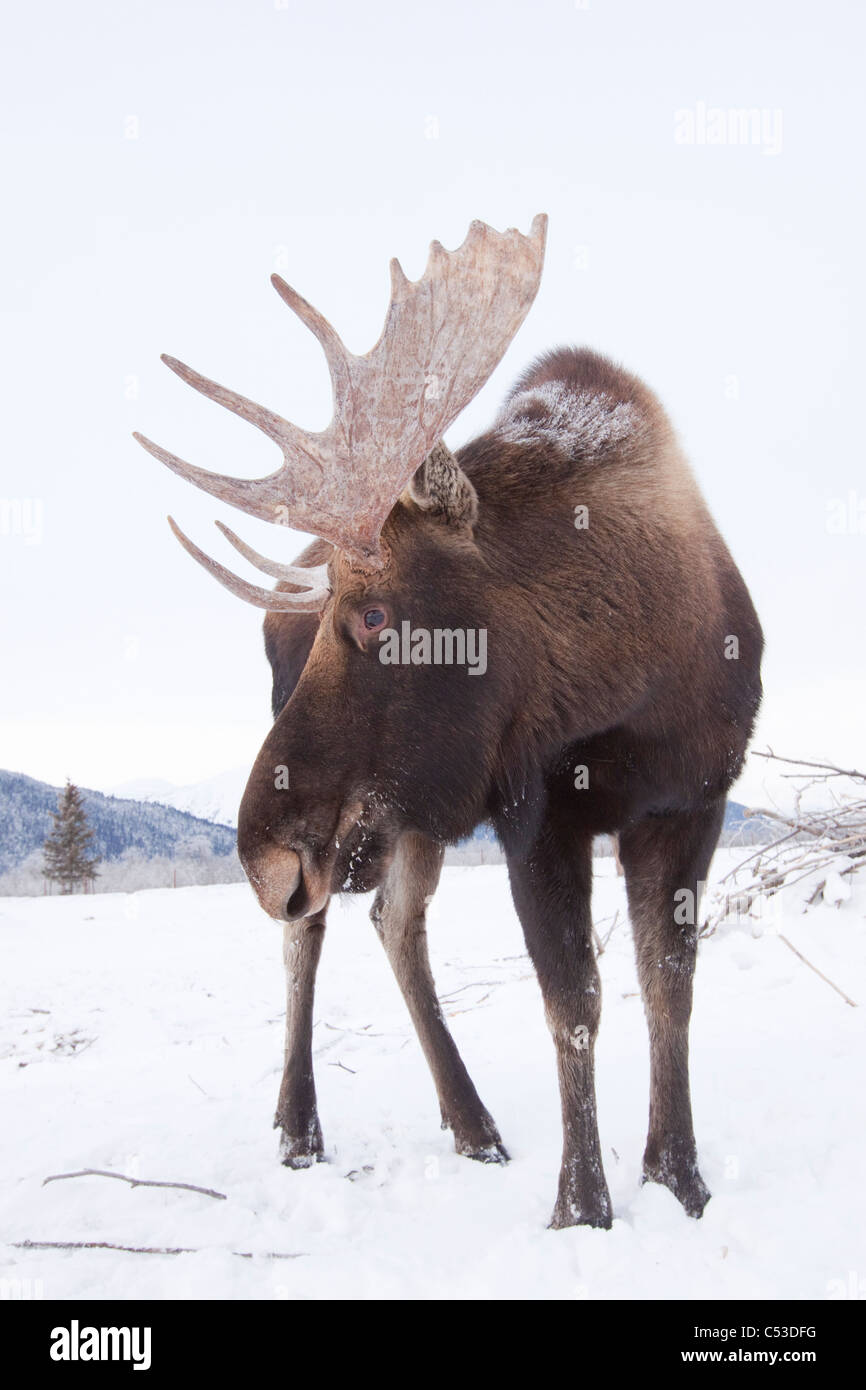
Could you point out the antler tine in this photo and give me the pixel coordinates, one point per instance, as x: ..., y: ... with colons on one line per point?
x: 277, y: 429
x: 538, y: 230
x: 298, y: 446
x: 261, y: 497
x: 335, y: 352
x: 273, y: 600
x: 266, y: 498
x: 314, y: 577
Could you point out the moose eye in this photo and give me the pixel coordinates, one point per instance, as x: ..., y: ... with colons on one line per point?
x: 374, y: 618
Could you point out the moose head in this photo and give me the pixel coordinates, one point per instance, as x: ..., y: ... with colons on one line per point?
x: 367, y: 748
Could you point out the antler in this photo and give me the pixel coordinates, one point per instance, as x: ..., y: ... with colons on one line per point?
x: 444, y: 334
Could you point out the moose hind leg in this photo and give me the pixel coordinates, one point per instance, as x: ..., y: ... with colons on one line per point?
x: 297, y: 1116
x: 551, y: 887
x: 666, y: 858
x: 399, y: 916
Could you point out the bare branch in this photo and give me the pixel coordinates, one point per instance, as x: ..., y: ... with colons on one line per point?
x: 133, y: 1182
x: 149, y: 1249
x: 832, y: 837
x: 803, y: 762
x: 800, y: 955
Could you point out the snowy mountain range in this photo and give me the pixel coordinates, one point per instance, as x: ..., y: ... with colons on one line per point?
x: 215, y: 798
x: 120, y: 825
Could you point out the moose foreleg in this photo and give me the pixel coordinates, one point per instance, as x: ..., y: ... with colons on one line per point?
x: 301, y: 1139
x: 551, y: 886
x: 399, y: 916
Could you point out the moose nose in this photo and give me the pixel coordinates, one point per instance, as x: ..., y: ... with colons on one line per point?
x: 278, y: 883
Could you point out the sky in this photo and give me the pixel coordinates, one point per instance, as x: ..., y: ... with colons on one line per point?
x: 160, y: 160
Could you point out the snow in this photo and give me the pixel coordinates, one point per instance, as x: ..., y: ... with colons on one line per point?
x: 142, y: 1034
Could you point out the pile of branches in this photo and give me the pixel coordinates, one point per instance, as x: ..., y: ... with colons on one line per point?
x: 823, y: 845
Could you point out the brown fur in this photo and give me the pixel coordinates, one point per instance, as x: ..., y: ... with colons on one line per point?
x: 608, y: 649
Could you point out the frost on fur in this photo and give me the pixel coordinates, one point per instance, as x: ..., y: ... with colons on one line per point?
x: 555, y: 414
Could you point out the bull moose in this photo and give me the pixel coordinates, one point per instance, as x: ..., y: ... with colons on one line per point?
x: 619, y: 692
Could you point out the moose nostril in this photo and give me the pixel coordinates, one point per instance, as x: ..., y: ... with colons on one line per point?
x: 275, y: 875
x: 297, y: 902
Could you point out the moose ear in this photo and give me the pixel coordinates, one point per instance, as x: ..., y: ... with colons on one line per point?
x: 441, y: 487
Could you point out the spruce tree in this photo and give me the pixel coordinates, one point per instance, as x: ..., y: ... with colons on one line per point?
x: 68, y: 858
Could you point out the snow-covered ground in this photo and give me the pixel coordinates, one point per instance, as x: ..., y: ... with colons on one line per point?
x: 143, y: 1034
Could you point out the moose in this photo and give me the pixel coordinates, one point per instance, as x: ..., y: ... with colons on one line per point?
x: 619, y: 693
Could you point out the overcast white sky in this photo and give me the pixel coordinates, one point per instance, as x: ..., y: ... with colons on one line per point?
x: 161, y: 159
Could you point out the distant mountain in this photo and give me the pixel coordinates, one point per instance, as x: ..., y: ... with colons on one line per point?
x: 215, y: 798
x: 737, y: 818
x: 119, y: 824
x: 741, y: 827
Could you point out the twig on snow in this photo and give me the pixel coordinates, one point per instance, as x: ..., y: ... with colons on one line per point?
x: 149, y: 1249
x: 601, y: 942
x: 827, y: 981
x: 133, y: 1182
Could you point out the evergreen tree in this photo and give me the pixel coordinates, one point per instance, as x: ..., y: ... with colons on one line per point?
x: 68, y: 859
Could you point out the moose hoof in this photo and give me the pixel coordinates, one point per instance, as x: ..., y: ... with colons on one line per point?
x: 302, y: 1151
x: 300, y: 1160
x: 567, y: 1213
x: 479, y: 1139
x: 686, y: 1184
x: 696, y: 1200
x: 489, y: 1152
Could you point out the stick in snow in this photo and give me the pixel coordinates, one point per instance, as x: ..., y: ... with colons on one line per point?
x: 134, y: 1182
x: 817, y: 971
x: 147, y: 1249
